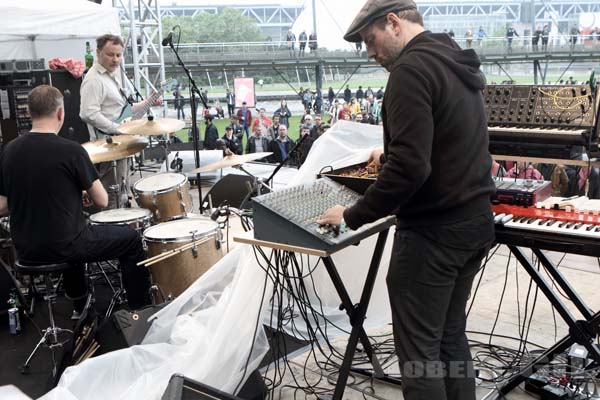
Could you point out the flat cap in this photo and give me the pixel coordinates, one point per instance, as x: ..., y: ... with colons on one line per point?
x: 372, y: 10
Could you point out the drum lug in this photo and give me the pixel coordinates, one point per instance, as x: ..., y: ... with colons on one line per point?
x: 219, y: 239
x: 195, y: 246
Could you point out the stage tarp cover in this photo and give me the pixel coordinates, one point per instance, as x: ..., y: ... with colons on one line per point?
x: 33, y: 29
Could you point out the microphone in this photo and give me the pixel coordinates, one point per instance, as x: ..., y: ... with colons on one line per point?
x: 169, y: 39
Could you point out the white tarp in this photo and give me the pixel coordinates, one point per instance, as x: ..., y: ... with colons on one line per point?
x: 33, y: 29
x: 208, y: 331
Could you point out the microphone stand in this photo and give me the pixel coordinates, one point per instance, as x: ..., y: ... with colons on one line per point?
x: 287, y: 157
x: 195, y: 134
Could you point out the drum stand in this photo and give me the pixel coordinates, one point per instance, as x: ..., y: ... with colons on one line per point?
x: 118, y: 292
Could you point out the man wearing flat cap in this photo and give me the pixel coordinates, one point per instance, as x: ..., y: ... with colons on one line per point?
x: 435, y: 178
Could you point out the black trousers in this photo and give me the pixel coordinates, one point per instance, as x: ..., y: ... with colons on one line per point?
x: 429, y: 281
x: 230, y: 109
x: 101, y: 243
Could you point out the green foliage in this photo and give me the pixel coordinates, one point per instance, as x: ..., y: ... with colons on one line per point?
x: 229, y: 25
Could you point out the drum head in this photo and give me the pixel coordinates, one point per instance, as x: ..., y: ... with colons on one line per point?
x: 120, y: 215
x: 158, y: 182
x: 180, y: 229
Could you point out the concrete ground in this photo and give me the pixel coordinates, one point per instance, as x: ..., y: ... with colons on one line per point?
x: 546, y: 327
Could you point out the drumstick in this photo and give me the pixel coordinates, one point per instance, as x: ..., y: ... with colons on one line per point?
x: 171, y: 252
x: 176, y: 251
x: 169, y: 255
x: 163, y: 256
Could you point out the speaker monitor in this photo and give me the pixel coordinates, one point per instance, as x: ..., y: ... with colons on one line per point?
x: 183, y: 388
x: 73, y: 128
x: 232, y: 188
x: 124, y: 329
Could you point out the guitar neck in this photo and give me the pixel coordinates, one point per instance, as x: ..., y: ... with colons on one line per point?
x: 148, y: 104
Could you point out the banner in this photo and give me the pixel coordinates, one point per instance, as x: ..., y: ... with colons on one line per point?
x: 244, y: 91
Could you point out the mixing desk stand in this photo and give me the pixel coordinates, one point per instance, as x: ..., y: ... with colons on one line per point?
x: 356, y: 312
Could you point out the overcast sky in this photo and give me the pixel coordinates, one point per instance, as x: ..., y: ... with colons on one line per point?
x: 333, y: 16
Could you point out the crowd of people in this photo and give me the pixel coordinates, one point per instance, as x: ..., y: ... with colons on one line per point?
x: 268, y: 130
x: 265, y: 132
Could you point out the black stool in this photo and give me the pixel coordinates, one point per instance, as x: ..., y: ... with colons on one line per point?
x: 51, y: 334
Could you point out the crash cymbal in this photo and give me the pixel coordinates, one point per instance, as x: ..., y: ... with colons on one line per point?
x: 147, y: 127
x: 231, y: 161
x: 121, y: 147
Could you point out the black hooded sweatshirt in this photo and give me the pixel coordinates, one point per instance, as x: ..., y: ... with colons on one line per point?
x: 437, y: 163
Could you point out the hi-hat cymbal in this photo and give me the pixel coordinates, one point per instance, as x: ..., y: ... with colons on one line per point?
x: 147, y: 127
x: 231, y: 161
x: 121, y: 147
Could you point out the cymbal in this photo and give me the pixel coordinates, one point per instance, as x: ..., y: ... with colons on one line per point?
x: 146, y: 127
x: 231, y: 161
x: 121, y: 147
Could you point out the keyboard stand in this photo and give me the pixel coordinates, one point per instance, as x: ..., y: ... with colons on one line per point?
x: 356, y: 312
x: 582, y: 332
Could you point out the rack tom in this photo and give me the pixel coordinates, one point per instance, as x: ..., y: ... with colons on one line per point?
x: 136, y: 218
x: 175, y: 274
x: 166, y: 194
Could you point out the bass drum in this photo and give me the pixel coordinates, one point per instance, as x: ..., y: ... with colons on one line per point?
x: 175, y: 274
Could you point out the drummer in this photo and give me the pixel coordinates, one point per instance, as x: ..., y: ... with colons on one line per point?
x: 44, y: 179
x: 104, y: 100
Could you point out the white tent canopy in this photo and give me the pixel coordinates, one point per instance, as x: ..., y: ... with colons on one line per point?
x: 33, y: 29
x: 333, y: 19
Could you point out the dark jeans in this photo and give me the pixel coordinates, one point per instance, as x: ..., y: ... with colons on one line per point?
x: 230, y: 109
x: 180, y: 112
x: 107, y: 242
x: 429, y: 281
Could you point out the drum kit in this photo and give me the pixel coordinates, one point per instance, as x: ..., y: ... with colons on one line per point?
x: 181, y: 247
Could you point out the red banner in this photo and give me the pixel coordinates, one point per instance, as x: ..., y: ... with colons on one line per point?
x: 244, y: 91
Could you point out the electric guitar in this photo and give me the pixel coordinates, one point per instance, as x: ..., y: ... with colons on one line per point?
x: 127, y: 110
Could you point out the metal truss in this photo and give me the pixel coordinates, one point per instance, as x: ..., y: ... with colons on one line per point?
x: 142, y: 31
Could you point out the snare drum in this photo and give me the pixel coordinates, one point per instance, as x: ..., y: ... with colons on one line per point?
x: 136, y: 218
x: 167, y: 195
x: 175, y: 274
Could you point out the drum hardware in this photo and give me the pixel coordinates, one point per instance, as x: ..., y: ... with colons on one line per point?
x: 195, y: 246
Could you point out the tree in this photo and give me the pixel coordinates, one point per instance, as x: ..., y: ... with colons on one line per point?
x: 229, y: 25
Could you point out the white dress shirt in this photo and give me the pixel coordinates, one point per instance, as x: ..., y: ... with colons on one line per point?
x: 101, y: 99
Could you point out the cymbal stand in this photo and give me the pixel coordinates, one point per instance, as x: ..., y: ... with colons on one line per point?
x: 256, y: 188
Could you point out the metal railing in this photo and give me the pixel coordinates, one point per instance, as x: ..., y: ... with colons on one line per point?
x: 279, y: 50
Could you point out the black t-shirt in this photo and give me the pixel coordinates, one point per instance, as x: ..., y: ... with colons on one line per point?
x: 43, y: 175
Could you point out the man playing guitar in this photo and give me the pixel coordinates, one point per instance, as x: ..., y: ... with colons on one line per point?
x: 104, y: 101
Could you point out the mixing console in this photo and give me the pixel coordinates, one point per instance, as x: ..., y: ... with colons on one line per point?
x: 289, y: 216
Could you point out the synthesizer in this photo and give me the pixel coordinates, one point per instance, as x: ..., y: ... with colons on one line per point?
x: 289, y: 216
x: 549, y: 229
x: 540, y: 114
